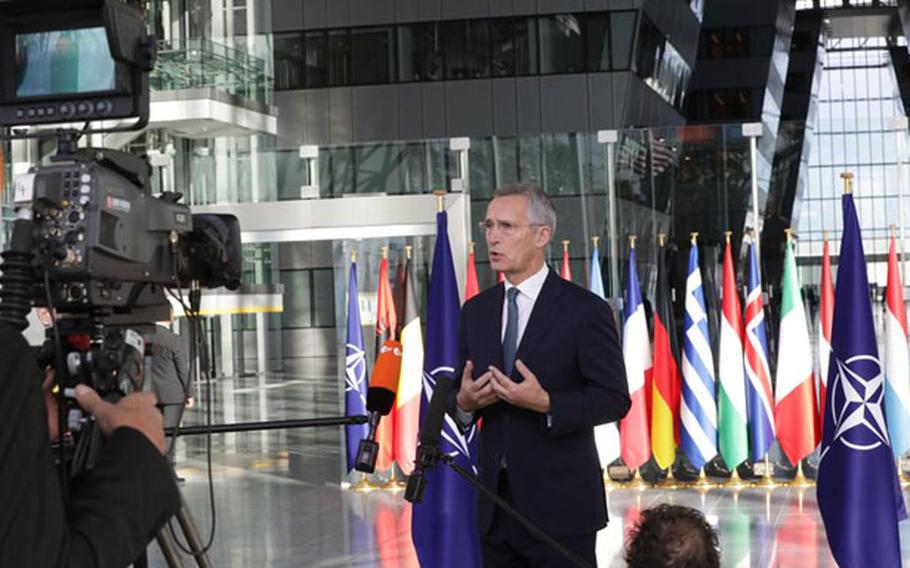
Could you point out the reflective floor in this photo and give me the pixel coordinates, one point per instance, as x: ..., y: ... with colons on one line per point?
x: 279, y: 503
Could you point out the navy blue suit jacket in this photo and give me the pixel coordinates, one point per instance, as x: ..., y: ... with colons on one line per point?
x: 571, y: 345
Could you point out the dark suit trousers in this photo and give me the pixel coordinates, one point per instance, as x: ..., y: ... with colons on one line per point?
x: 508, y: 544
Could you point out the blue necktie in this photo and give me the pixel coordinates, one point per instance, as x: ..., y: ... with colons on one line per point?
x: 510, y: 341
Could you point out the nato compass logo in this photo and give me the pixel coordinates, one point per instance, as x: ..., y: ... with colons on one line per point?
x: 459, y: 441
x: 354, y: 369
x: 856, y: 404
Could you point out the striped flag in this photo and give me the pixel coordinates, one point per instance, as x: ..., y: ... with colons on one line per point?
x: 666, y: 383
x: 636, y: 354
x: 444, y: 525
x: 698, y: 410
x: 795, y: 412
x: 732, y: 434
x: 897, y: 373
x: 825, y: 322
x: 471, y: 286
x: 758, y: 373
x: 355, y: 373
x: 858, y: 492
x: 407, y: 402
x: 566, y: 271
x: 606, y: 436
x: 386, y: 326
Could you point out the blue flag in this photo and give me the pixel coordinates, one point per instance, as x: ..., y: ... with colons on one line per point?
x: 355, y: 373
x: 444, y: 524
x: 858, y: 491
x: 596, y: 284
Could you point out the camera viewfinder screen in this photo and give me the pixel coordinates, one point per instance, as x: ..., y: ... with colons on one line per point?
x: 63, y: 62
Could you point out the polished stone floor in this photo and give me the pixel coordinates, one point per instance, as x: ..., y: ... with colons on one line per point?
x: 278, y: 501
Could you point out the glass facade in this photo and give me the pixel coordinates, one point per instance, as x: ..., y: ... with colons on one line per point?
x: 480, y: 48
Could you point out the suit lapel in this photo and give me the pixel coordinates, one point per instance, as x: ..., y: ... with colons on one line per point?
x: 544, y: 311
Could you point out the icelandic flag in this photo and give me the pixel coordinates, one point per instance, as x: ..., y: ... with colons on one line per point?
x: 758, y: 373
x: 858, y: 491
x: 355, y: 373
x: 444, y: 524
x: 698, y: 407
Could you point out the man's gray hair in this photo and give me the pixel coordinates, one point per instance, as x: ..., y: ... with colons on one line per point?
x: 540, y: 208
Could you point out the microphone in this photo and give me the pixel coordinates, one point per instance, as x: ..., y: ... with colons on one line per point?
x: 430, y: 432
x: 380, y: 399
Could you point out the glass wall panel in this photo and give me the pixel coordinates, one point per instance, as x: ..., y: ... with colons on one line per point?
x: 339, y: 67
x: 562, y: 45
x: 373, y: 55
x: 316, y: 70
x: 289, y: 60
x: 420, y: 52
x: 622, y: 35
x: 467, y: 49
x: 597, y: 33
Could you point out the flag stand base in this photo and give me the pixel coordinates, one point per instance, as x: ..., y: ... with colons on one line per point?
x: 670, y: 482
x: 800, y: 480
x: 609, y: 484
x: 904, y: 479
x: 637, y: 482
x: 364, y: 485
x: 702, y: 484
x: 735, y: 481
x: 767, y: 480
x: 392, y: 484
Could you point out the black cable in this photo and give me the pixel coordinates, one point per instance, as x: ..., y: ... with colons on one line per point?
x: 58, y: 381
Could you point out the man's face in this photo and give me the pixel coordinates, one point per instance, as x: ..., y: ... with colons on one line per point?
x: 515, y: 245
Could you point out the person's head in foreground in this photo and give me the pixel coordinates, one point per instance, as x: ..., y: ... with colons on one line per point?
x: 672, y: 536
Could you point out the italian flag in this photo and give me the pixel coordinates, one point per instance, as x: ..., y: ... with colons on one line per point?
x: 795, y: 407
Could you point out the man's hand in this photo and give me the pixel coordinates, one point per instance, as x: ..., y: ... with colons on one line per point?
x: 526, y: 394
x: 136, y: 410
x: 474, y: 395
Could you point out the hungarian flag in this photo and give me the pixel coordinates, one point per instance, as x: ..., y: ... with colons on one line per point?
x: 636, y: 353
x: 859, y: 495
x: 355, y: 373
x: 606, y: 436
x: 665, y: 399
x: 733, y: 437
x: 410, y: 381
x: 386, y: 324
x: 758, y: 373
x: 795, y: 411
x: 471, y: 286
x: 897, y: 373
x: 566, y: 271
x: 825, y: 322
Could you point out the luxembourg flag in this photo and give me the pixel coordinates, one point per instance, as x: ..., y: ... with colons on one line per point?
x: 636, y: 353
x: 897, y: 377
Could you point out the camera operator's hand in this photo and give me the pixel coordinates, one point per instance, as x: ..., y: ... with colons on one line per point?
x: 136, y: 410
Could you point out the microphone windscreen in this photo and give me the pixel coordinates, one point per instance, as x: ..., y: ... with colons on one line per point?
x: 384, y: 382
x: 431, y: 429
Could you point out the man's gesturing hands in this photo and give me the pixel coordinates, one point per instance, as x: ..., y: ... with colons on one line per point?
x: 494, y: 385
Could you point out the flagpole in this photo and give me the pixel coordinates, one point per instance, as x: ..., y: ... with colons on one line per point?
x: 363, y: 485
x: 669, y: 482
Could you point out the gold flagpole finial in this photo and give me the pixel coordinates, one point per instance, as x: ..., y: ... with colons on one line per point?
x: 565, y: 246
x: 848, y: 181
x: 694, y: 237
x: 825, y: 235
x: 661, y: 239
x: 789, y: 233
x: 440, y: 200
x: 595, y: 239
x: 407, y: 251
x: 727, y: 235
x: 385, y: 252
x: 471, y: 247
x: 632, y: 241
x: 354, y: 255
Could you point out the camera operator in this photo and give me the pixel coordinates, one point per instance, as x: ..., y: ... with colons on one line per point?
x: 113, y: 510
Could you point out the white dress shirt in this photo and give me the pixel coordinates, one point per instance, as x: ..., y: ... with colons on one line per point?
x: 527, y: 297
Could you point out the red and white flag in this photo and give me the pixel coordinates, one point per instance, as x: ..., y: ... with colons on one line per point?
x: 825, y: 322
x: 634, y: 428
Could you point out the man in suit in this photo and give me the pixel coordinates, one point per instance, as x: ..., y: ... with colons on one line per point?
x: 540, y: 362
x: 170, y: 376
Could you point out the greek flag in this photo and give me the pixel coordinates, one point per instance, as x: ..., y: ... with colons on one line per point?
x: 698, y: 409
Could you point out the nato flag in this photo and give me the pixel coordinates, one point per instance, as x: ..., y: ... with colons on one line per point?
x: 858, y: 491
x: 444, y: 524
